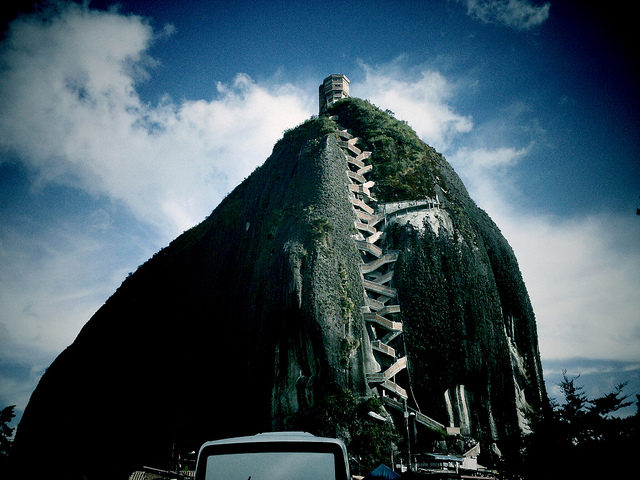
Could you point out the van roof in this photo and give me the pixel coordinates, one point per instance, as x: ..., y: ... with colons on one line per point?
x: 275, y: 437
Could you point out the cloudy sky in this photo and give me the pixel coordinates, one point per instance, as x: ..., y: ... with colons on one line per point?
x: 122, y: 125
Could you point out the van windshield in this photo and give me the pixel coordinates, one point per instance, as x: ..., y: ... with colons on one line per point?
x: 271, y: 466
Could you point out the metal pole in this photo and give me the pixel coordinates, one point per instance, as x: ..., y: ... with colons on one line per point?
x: 406, y: 423
x: 393, y: 463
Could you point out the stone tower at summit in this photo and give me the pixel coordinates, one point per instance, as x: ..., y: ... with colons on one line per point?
x: 332, y: 89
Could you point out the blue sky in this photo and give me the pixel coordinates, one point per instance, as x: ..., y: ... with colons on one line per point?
x: 122, y: 126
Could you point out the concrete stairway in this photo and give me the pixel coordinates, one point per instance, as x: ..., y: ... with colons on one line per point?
x: 382, y: 308
x: 376, y: 271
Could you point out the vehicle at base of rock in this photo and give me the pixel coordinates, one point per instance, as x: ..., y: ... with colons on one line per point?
x: 274, y: 456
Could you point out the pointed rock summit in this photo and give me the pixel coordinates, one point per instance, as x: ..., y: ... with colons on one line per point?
x: 349, y: 284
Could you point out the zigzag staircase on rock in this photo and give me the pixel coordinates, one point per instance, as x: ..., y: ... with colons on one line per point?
x: 376, y: 273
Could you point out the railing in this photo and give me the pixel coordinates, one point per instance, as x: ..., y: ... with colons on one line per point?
x: 383, y: 322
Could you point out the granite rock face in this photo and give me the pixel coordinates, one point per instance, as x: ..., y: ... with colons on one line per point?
x: 250, y: 318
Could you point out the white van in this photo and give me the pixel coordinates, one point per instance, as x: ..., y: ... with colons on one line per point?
x: 273, y: 456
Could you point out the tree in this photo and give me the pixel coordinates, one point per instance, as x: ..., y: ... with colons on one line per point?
x: 571, y: 415
x: 611, y: 402
x: 6, y: 432
x: 581, y: 438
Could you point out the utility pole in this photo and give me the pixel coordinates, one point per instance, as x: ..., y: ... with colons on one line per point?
x: 406, y: 424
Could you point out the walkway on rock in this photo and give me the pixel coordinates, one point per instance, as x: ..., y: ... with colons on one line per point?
x: 376, y: 273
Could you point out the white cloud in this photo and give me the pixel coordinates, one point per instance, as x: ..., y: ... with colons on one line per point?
x: 52, y: 281
x: 485, y: 172
x: 581, y: 273
x: 421, y: 99
x: 70, y: 83
x: 582, y: 276
x: 69, y: 110
x: 517, y: 14
x: 481, y: 159
x: 16, y: 390
x: 583, y: 366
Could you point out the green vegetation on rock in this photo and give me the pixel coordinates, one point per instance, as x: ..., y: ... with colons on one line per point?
x: 340, y: 414
x: 405, y: 167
